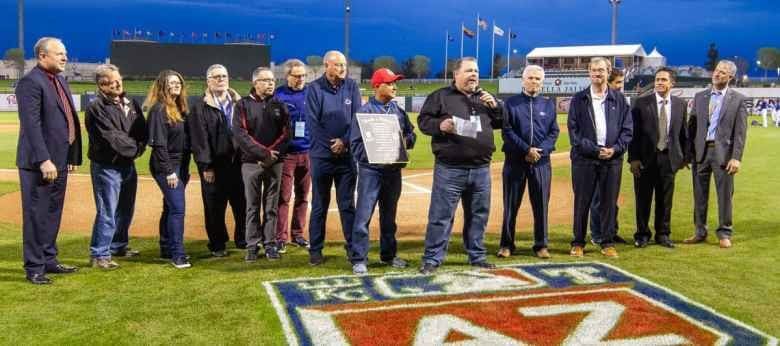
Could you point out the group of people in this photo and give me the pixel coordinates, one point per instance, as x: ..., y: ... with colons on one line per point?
x: 253, y: 151
x: 768, y: 108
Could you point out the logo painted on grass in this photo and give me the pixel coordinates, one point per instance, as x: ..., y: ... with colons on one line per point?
x: 532, y: 304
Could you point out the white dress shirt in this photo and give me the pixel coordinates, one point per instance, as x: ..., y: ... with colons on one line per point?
x: 599, y: 116
x: 668, y: 107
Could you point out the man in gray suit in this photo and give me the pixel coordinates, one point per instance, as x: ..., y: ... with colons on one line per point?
x: 718, y: 128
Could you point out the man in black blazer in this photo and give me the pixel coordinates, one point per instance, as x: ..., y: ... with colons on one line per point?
x: 655, y: 154
x: 600, y: 129
x: 49, y: 146
x: 718, y: 129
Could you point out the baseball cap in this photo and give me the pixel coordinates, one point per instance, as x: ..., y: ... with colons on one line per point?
x: 384, y: 75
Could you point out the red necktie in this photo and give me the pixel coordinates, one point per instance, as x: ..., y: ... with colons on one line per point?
x: 68, y: 111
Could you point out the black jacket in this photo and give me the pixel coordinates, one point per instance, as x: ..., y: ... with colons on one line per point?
x: 259, y: 126
x: 644, y: 113
x: 452, y: 149
x: 582, y: 128
x: 115, y: 138
x: 169, y: 142
x: 211, y: 138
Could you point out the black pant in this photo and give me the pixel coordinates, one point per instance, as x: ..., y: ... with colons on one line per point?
x: 538, y: 177
x: 657, y: 177
x: 42, y: 204
x: 228, y: 186
x: 586, y: 178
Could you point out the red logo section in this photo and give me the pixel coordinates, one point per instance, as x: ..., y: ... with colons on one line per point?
x: 588, y: 315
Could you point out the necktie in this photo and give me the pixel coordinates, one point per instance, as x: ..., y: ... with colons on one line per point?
x: 662, y: 126
x: 68, y: 110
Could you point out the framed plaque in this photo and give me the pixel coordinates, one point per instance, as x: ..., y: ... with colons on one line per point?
x: 382, y: 138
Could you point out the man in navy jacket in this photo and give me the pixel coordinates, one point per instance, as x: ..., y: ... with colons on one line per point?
x: 530, y: 131
x: 331, y: 102
x: 600, y: 130
x: 49, y: 146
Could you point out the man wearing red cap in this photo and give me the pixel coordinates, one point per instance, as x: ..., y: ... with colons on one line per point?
x: 378, y: 182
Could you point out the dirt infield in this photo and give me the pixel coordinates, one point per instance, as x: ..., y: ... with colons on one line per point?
x: 412, y: 209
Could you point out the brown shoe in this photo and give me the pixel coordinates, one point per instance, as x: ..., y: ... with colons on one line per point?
x: 725, y: 243
x: 695, y: 239
x: 504, y: 253
x: 543, y: 253
x: 577, y: 251
x: 105, y: 264
x: 610, y: 252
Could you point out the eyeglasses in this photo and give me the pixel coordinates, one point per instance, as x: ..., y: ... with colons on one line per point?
x: 219, y: 76
x: 298, y: 76
x: 265, y: 80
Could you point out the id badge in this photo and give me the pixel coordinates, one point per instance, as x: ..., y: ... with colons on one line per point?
x: 300, y: 128
x: 477, y: 122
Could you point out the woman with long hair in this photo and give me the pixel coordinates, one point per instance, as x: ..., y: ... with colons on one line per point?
x: 167, y: 108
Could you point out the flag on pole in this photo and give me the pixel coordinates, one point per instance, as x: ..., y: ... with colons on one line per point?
x: 450, y: 38
x: 483, y: 24
x: 468, y: 32
x: 498, y: 31
x: 512, y: 36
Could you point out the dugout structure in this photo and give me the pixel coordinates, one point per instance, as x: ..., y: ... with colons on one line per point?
x: 139, y: 59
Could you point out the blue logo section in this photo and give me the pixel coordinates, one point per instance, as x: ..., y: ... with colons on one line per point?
x: 292, y: 295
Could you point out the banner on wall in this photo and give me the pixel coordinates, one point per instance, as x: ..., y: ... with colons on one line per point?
x: 8, y: 103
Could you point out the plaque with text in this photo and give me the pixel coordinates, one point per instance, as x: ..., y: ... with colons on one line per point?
x: 382, y: 138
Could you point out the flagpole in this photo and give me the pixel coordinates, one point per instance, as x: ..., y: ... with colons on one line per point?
x: 446, y: 47
x: 477, y: 57
x: 493, y: 50
x: 508, y: 51
x: 461, y: 39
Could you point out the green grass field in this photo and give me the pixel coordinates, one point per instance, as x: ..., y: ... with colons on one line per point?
x: 221, y: 301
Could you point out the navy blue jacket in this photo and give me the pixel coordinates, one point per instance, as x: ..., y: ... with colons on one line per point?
x: 296, y: 105
x: 43, y: 129
x: 523, y: 115
x: 374, y: 106
x: 330, y: 112
x: 582, y: 128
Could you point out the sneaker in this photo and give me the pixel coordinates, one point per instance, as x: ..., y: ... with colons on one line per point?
x: 504, y: 252
x: 167, y: 256
x: 359, y: 269
x: 219, y: 253
x: 126, y: 252
x: 272, y: 253
x: 543, y: 253
x: 301, y: 243
x: 251, y: 255
x: 428, y: 269
x: 619, y: 240
x: 316, y: 258
x: 104, y: 263
x: 281, y: 247
x: 181, y: 263
x: 609, y: 252
x: 396, y: 262
x: 577, y: 251
x: 484, y: 265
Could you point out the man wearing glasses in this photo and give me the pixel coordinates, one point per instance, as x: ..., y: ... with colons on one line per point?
x: 295, y: 168
x: 262, y: 129
x: 218, y: 161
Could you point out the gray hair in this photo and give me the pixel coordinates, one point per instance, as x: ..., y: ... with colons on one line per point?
x: 290, y: 64
x: 460, y: 62
x: 533, y: 68
x: 730, y: 65
x: 256, y: 73
x: 103, y: 70
x: 330, y: 54
x: 43, y: 44
x: 214, y: 67
x: 602, y: 59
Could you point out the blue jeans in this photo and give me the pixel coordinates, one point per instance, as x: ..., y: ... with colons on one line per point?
x: 114, y: 188
x: 451, y: 184
x: 172, y: 218
x: 382, y: 185
x: 324, y: 173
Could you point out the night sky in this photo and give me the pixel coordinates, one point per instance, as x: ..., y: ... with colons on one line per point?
x: 681, y: 29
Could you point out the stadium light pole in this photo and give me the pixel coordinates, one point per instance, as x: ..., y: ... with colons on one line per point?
x: 614, y: 4
x: 20, y: 11
x: 347, y: 10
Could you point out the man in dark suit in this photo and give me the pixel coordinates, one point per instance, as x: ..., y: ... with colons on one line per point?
x: 718, y: 128
x: 655, y: 155
x: 49, y: 146
x: 600, y: 130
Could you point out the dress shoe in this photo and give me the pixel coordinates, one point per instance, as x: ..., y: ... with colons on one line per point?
x: 219, y: 253
x: 504, y: 252
x: 251, y: 255
x: 619, y: 240
x: 665, y: 242
x: 38, y: 279
x: 577, y: 251
x: 484, y: 265
x: 428, y: 269
x: 543, y: 253
x: 695, y: 239
x: 316, y: 258
x: 725, y: 243
x: 641, y: 242
x: 609, y: 252
x: 62, y: 269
